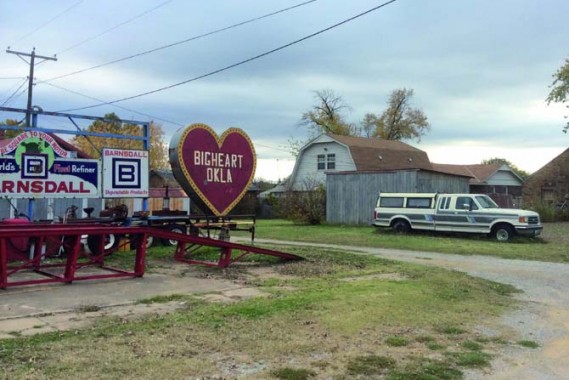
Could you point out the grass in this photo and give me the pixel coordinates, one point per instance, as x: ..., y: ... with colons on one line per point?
x: 334, y: 315
x: 551, y: 246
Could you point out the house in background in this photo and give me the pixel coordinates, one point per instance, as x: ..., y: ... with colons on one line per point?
x: 355, y: 169
x: 497, y: 180
x: 330, y: 153
x: 550, y: 184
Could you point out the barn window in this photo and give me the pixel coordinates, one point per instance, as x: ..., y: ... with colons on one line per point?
x: 321, y: 162
x: 331, y: 161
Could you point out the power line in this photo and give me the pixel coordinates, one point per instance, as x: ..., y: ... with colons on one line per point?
x: 153, y: 117
x: 180, y: 42
x: 238, y: 63
x: 12, y: 78
x: 14, y: 96
x: 49, y: 21
x: 114, y: 27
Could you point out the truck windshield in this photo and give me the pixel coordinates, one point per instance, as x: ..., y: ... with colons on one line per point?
x: 486, y: 202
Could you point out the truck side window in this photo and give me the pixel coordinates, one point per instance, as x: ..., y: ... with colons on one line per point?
x: 465, y: 203
x: 395, y: 202
x: 418, y: 202
x: 444, y: 203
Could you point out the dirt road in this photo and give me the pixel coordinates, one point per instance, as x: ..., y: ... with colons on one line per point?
x: 543, y: 317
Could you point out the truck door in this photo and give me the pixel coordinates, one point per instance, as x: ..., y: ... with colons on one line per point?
x: 466, y: 210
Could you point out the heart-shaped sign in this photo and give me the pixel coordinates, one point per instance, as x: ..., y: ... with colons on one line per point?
x: 215, y: 172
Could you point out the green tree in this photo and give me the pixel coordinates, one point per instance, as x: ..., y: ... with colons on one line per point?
x: 560, y: 89
x: 399, y: 121
x: 502, y: 161
x: 9, y: 133
x: 92, y: 145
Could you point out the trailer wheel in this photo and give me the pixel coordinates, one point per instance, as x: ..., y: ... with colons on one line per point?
x: 177, y: 228
x: 135, y: 238
x: 401, y: 226
x: 110, y: 241
x: 503, y: 232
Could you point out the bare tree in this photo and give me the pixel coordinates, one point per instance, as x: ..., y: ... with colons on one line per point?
x: 326, y: 116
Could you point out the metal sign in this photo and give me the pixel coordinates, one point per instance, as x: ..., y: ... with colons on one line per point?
x: 125, y: 173
x: 34, y: 165
x: 215, y: 172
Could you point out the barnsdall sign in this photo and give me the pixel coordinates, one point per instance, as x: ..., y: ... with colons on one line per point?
x: 34, y: 165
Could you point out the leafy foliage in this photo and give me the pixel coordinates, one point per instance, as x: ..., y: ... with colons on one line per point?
x: 307, y: 206
x: 399, y: 121
x: 8, y: 134
x: 502, y: 161
x: 93, y: 145
x: 560, y: 89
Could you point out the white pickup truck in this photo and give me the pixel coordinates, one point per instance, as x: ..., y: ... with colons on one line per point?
x: 472, y: 213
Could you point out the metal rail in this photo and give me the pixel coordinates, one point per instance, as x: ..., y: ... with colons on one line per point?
x: 38, y: 264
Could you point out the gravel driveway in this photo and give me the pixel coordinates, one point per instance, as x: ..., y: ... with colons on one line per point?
x: 543, y: 317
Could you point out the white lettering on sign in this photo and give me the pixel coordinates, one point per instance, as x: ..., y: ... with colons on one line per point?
x: 220, y: 160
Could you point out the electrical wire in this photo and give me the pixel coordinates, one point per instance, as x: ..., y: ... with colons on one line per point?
x: 153, y: 117
x: 114, y: 27
x: 180, y: 42
x: 12, y: 78
x: 49, y: 21
x: 238, y: 63
x: 14, y: 96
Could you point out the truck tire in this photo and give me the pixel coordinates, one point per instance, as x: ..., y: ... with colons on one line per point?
x: 503, y: 232
x: 177, y: 228
x: 401, y: 226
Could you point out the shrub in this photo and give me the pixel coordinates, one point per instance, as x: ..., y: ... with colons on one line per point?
x: 305, y: 206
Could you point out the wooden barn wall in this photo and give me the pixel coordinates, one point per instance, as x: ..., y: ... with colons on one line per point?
x: 351, y: 197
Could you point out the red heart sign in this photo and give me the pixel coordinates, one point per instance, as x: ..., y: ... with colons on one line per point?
x: 214, y: 171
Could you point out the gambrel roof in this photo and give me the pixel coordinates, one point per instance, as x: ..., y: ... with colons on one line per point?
x: 371, y: 154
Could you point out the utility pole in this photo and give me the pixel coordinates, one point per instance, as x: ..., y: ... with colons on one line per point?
x: 32, y: 63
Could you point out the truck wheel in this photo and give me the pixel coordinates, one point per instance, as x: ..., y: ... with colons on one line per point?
x: 503, y: 232
x: 401, y: 227
x: 110, y: 242
x: 177, y: 228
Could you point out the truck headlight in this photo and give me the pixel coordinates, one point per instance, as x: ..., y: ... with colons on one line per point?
x: 523, y: 219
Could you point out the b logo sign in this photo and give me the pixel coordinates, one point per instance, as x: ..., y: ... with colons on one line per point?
x: 214, y: 171
x: 125, y: 173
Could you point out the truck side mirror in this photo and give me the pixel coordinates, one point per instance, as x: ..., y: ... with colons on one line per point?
x: 466, y: 206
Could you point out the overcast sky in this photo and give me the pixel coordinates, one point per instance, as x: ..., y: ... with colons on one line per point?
x: 480, y: 69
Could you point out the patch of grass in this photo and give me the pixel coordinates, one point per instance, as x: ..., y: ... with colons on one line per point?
x: 371, y: 365
x: 166, y: 299
x: 396, y: 341
x: 471, y: 345
x: 551, y: 246
x: 88, y: 309
x: 471, y: 359
x: 528, y: 343
x: 293, y: 373
x: 450, y: 330
x: 427, y: 370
